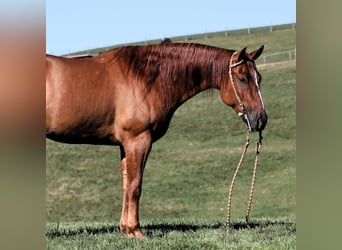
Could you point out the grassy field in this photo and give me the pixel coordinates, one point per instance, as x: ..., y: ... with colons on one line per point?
x: 176, y: 234
x: 187, y: 177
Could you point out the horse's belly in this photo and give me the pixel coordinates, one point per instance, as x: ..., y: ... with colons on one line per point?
x: 89, y: 137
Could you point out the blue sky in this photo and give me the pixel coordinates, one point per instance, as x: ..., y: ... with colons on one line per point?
x: 87, y: 24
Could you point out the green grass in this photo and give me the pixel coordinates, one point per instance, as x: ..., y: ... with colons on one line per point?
x: 186, y: 180
x: 175, y: 234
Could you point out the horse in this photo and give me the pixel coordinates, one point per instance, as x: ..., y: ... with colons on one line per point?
x: 128, y: 95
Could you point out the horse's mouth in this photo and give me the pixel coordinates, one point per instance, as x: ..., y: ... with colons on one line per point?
x: 252, y: 125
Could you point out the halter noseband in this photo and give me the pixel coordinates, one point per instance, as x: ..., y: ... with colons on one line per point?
x: 243, y: 113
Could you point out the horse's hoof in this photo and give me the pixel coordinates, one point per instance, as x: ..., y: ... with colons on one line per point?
x: 136, y: 234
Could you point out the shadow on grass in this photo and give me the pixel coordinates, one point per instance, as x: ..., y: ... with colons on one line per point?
x: 262, y: 224
x: 167, y: 228
x: 162, y: 229
x: 59, y: 232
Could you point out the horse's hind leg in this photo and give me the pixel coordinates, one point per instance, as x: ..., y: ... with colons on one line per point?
x: 133, y: 162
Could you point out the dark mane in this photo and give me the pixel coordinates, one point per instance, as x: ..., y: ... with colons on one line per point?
x: 177, y: 68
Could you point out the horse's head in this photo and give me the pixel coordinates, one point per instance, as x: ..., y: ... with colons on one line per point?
x: 242, y: 91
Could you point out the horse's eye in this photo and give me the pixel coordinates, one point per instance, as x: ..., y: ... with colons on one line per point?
x: 243, y: 79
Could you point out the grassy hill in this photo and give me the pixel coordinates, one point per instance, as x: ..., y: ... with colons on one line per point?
x: 282, y: 38
x: 188, y: 173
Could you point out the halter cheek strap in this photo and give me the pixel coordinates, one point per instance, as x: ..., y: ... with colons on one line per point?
x: 243, y: 113
x: 259, y: 93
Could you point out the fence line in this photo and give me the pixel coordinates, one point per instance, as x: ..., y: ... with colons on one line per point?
x: 227, y: 33
x: 278, y: 57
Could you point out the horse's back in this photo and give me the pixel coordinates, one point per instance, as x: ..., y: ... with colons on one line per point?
x: 80, y: 101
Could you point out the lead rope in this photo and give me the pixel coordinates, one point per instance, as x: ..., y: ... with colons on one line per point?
x: 253, y: 179
x: 233, y: 180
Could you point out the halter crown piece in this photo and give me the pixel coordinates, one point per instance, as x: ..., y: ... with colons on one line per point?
x: 243, y: 113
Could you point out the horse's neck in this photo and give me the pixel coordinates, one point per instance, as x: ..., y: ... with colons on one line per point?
x: 206, y: 82
x: 194, y: 91
x: 182, y: 72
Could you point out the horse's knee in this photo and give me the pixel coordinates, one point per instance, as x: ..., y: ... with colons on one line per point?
x: 135, y: 192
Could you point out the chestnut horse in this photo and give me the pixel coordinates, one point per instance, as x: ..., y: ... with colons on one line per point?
x: 127, y: 97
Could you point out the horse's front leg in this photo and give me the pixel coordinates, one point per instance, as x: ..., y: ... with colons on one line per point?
x: 123, y: 220
x: 136, y: 151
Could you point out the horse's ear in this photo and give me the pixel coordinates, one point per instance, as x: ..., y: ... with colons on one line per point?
x: 256, y: 53
x: 242, y: 54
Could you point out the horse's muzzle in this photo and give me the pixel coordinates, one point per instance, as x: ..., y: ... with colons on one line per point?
x: 257, y: 121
